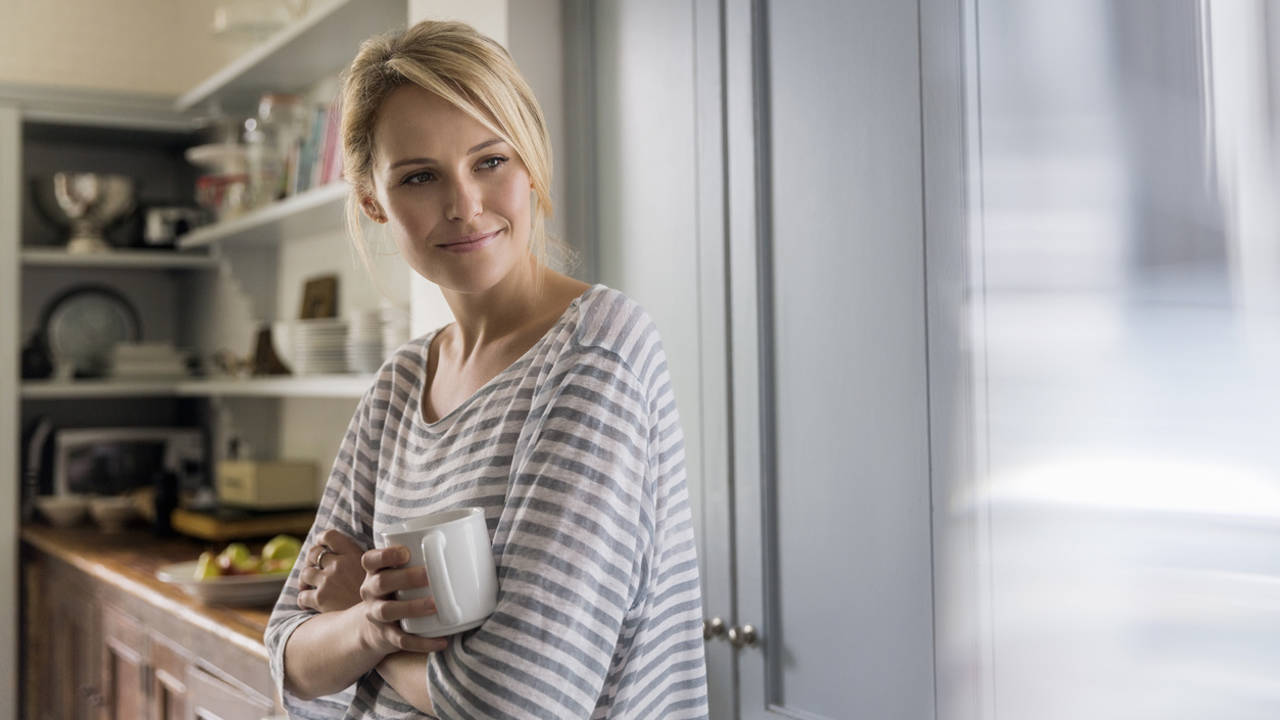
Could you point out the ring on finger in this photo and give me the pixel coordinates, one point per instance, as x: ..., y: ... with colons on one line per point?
x: 320, y: 558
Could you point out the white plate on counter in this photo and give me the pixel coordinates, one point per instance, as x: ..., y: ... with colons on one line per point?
x: 230, y: 590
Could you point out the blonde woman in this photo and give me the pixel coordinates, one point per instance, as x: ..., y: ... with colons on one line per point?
x: 547, y: 404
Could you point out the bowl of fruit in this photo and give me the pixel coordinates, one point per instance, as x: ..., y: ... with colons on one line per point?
x: 236, y: 576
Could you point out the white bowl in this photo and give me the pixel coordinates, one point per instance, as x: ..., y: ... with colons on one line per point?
x: 62, y: 510
x: 112, y: 513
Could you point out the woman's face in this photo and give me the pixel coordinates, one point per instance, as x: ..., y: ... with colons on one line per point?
x: 456, y: 197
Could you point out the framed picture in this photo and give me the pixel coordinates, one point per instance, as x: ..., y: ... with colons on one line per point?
x: 320, y: 298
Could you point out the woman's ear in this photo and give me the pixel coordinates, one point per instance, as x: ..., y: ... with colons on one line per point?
x: 372, y: 210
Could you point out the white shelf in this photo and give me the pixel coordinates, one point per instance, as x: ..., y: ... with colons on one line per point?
x: 316, y: 210
x: 313, y: 386
x: 147, y: 259
x: 310, y: 386
x: 322, y: 43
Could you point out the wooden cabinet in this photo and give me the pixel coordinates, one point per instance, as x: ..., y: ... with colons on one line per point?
x: 62, y: 646
x: 124, y: 665
x: 214, y: 698
x: 96, y: 646
x: 169, y: 667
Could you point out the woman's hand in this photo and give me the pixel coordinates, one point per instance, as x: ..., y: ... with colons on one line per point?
x: 385, y: 574
x: 331, y: 578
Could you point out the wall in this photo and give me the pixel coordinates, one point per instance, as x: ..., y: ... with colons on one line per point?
x: 121, y: 45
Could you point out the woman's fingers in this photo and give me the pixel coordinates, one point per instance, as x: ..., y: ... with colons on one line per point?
x: 307, y: 600
x: 339, y: 542
x: 417, y: 643
x: 390, y: 611
x: 381, y: 558
x: 386, y: 582
x: 309, y: 576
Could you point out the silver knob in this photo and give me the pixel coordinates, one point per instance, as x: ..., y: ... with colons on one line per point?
x: 744, y: 636
x: 712, y: 628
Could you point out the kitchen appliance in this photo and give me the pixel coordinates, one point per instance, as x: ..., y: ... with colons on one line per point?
x: 165, y: 223
x: 114, y: 461
x: 260, y: 485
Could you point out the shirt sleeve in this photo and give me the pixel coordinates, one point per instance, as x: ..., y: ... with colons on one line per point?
x: 346, y: 505
x: 571, y: 549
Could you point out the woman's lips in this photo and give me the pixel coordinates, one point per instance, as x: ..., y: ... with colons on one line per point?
x: 470, y: 243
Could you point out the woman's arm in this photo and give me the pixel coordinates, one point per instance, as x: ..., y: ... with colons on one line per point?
x: 330, y: 651
x: 407, y: 673
x: 333, y: 586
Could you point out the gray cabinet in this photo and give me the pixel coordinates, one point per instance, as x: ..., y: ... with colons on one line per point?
x: 759, y: 188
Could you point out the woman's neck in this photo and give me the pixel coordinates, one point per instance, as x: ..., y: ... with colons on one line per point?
x: 500, y: 314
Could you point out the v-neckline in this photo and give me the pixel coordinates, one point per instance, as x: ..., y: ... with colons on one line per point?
x: 423, y: 387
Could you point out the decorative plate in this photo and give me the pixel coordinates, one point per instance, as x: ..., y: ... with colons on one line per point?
x: 83, y: 325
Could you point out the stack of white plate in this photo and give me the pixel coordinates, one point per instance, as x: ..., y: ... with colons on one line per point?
x: 364, y: 341
x: 395, y: 327
x: 133, y: 361
x: 319, y: 346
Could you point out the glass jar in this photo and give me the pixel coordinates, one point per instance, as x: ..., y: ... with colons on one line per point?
x: 283, y: 119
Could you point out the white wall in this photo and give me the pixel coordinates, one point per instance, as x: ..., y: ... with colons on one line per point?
x: 143, y: 46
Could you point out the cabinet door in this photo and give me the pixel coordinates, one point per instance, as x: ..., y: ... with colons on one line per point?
x: 64, y: 641
x: 169, y: 684
x: 79, y: 640
x: 212, y: 698
x: 832, y: 493
x: 125, y: 672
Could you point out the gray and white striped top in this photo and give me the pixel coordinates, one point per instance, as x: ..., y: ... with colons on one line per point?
x: 575, y: 453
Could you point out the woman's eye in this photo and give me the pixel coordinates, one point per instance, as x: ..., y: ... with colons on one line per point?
x: 419, y: 178
x: 492, y: 163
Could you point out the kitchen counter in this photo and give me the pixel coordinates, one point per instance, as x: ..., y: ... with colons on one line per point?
x: 101, y: 632
x: 129, y: 561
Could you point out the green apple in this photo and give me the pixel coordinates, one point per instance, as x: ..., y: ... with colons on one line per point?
x: 207, y: 567
x: 278, y: 567
x: 237, y: 560
x: 282, y: 547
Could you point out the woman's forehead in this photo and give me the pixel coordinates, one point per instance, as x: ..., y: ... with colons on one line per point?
x: 417, y: 122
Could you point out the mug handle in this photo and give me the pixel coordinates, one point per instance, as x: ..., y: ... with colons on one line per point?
x: 441, y: 588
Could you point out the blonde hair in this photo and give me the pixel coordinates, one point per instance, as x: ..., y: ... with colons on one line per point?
x: 468, y: 70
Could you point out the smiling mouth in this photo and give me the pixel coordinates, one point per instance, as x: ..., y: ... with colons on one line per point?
x: 469, y: 239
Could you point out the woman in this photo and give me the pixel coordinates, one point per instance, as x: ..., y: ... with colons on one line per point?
x: 547, y: 404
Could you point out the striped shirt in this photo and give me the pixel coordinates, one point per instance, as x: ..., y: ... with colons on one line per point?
x: 576, y: 456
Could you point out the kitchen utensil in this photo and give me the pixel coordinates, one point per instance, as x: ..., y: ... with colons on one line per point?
x: 454, y: 547
x: 62, y: 510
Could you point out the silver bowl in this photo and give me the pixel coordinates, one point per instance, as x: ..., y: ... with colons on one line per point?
x: 88, y: 203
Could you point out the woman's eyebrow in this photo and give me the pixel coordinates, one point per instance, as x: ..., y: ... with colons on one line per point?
x: 428, y: 161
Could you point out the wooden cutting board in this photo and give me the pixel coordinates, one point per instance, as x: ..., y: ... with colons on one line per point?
x: 225, y: 525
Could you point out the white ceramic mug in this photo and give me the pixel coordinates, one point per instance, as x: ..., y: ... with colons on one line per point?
x: 454, y: 547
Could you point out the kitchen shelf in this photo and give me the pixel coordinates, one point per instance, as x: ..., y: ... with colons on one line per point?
x: 316, y: 210
x: 145, y: 259
x: 308, y: 386
x: 321, y: 43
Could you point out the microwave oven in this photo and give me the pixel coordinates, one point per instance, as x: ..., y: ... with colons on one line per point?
x: 112, y: 461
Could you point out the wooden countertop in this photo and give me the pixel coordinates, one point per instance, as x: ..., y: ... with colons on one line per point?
x: 129, y: 561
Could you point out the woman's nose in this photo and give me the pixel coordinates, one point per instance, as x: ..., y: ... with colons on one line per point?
x: 464, y: 202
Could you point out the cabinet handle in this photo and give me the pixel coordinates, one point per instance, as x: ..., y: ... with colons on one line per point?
x: 712, y: 628
x: 744, y: 636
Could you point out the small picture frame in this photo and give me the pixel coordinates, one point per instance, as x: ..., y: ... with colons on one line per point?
x: 320, y: 298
